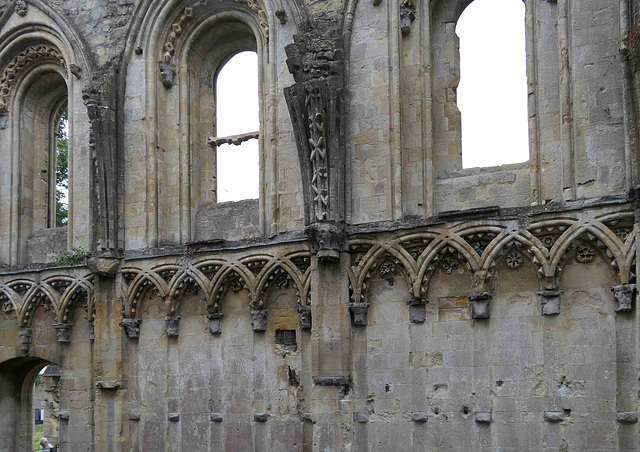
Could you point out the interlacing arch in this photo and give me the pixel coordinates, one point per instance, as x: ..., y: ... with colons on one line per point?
x: 279, y: 271
x: 139, y: 286
x: 187, y: 279
x: 234, y: 276
x: 38, y: 294
x: 71, y: 290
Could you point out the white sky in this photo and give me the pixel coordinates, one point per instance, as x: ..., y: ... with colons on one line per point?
x: 492, y: 95
x: 237, y: 91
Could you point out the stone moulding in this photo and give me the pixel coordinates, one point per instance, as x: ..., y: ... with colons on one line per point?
x: 624, y: 295
x: 63, y: 330
x: 172, y: 325
x: 111, y: 384
x: 480, y: 305
x: 627, y: 417
x: 419, y: 417
x: 359, y: 313
x: 417, y: 310
x: 482, y: 417
x: 332, y: 381
x: 305, y: 317
x: 215, y: 322
x: 259, y: 320
x: 550, y: 301
x: 131, y: 327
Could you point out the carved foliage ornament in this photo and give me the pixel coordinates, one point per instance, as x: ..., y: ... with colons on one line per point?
x: 24, y: 59
x: 318, y: 156
x: 21, y: 8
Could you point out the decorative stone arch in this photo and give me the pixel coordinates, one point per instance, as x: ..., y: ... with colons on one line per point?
x: 69, y: 299
x: 278, y: 268
x: 17, y: 376
x: 139, y: 289
x: 233, y: 276
x: 33, y: 299
x: 42, y: 65
x: 186, y: 280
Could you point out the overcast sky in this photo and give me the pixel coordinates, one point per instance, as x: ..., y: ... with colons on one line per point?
x: 492, y: 97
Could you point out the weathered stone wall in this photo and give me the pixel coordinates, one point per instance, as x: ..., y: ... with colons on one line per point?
x: 433, y: 307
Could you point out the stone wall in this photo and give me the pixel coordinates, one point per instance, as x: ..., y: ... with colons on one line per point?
x: 376, y: 295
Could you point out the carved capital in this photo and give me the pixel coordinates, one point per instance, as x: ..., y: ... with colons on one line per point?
x: 215, y: 322
x: 624, y: 295
x: 168, y: 73
x: 327, y: 240
x: 25, y: 335
x: 359, y: 313
x: 305, y: 317
x: 103, y: 266
x: 417, y: 310
x: 480, y: 305
x: 550, y: 301
x: 259, y: 320
x: 172, y: 325
x: 131, y: 327
x: 63, y: 330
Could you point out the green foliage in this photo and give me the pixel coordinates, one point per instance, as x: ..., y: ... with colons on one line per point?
x: 73, y: 256
x: 62, y: 170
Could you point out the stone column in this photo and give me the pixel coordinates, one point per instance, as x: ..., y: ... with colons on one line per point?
x: 331, y: 403
x: 108, y: 360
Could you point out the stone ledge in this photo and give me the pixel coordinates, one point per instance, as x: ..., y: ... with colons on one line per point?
x: 627, y: 417
x: 111, y: 384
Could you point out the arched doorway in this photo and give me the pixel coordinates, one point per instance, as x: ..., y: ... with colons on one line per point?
x: 17, y: 377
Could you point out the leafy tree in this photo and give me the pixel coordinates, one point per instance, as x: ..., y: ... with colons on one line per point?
x: 62, y: 171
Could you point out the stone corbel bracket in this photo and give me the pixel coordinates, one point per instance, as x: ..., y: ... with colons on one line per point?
x: 131, y: 327
x: 417, y: 310
x: 168, y: 74
x: 327, y: 240
x: 480, y: 305
x: 624, y: 296
x: 407, y: 16
x: 305, y: 317
x: 63, y: 330
x: 215, y: 322
x: 172, y: 325
x: 550, y: 301
x: 259, y: 320
x: 359, y: 313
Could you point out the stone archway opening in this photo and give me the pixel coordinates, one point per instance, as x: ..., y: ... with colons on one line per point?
x: 18, y: 377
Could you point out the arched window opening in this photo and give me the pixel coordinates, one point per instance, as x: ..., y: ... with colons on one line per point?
x: 492, y: 94
x: 46, y: 407
x: 236, y: 129
x: 59, y: 206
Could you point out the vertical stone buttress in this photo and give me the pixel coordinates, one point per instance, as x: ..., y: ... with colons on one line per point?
x: 316, y: 106
x: 109, y: 381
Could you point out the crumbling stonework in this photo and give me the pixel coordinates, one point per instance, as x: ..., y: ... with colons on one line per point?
x: 376, y: 296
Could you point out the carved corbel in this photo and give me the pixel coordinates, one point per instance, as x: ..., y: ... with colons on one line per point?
x: 172, y: 325
x: 25, y: 335
x: 417, y: 310
x: 407, y: 16
x: 305, y: 317
x: 63, y: 330
x: 215, y: 322
x: 480, y: 305
x: 21, y: 8
x: 168, y: 73
x: 550, y: 301
x: 327, y: 240
x: 259, y: 320
x: 131, y: 327
x: 624, y: 295
x: 359, y: 313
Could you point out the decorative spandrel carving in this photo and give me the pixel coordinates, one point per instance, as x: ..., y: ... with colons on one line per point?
x: 35, y: 54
